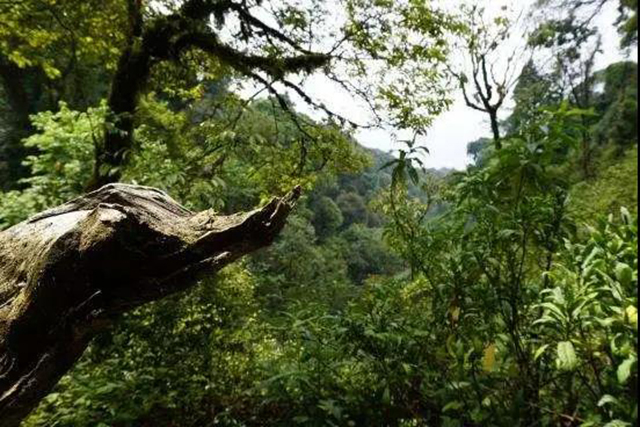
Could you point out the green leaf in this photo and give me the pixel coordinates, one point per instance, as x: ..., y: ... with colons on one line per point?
x: 554, y: 310
x: 594, y: 253
x: 617, y: 423
x: 489, y: 358
x: 624, y: 370
x: 607, y: 398
x: 504, y: 234
x: 624, y: 273
x: 626, y: 216
x: 632, y: 315
x: 540, y: 351
x: 389, y: 163
x: 543, y: 320
x: 413, y: 174
x: 455, y: 405
x: 386, y: 396
x: 566, y: 359
x: 107, y: 388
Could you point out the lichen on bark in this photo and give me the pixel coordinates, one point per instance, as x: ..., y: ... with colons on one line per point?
x: 67, y: 272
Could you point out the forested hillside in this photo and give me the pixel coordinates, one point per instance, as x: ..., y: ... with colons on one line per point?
x: 504, y: 294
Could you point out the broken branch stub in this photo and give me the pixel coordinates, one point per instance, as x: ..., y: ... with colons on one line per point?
x: 67, y: 271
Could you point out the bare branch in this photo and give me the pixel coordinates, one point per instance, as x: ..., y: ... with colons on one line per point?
x: 73, y: 285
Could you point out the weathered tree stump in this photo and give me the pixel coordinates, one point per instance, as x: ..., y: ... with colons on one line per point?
x: 67, y: 272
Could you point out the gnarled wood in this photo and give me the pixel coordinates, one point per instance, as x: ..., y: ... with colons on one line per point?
x: 67, y: 271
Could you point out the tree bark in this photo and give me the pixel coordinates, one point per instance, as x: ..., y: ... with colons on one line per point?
x: 67, y: 272
x: 130, y: 76
x: 495, y: 128
x: 21, y: 105
x: 163, y: 39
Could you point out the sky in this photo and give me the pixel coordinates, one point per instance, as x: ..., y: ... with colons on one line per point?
x: 452, y: 130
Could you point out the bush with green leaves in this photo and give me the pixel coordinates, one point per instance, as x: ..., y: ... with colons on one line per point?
x: 192, y: 358
x: 616, y: 185
x: 588, y: 328
x: 491, y: 269
x: 61, y: 163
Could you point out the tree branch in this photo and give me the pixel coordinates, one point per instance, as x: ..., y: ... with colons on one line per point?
x: 67, y: 272
x: 164, y: 39
x: 468, y: 101
x: 485, y: 78
x: 244, y: 15
x: 275, y: 67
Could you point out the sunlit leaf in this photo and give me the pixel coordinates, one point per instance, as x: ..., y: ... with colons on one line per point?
x: 566, y: 358
x: 540, y: 351
x: 624, y: 370
x: 489, y: 358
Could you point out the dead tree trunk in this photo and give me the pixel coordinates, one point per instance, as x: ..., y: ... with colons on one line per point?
x: 67, y: 272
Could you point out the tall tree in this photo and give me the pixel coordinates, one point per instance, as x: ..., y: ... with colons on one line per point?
x: 51, y: 52
x: 491, y: 63
x: 273, y: 44
x: 567, y: 30
x: 534, y: 89
x: 583, y: 12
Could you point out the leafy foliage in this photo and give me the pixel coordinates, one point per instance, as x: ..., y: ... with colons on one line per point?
x: 396, y: 296
x: 591, y: 313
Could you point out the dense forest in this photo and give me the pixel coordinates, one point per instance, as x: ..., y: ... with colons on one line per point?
x: 395, y: 295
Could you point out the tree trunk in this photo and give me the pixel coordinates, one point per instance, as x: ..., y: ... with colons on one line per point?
x: 131, y: 74
x: 67, y: 272
x: 20, y: 104
x: 495, y: 128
